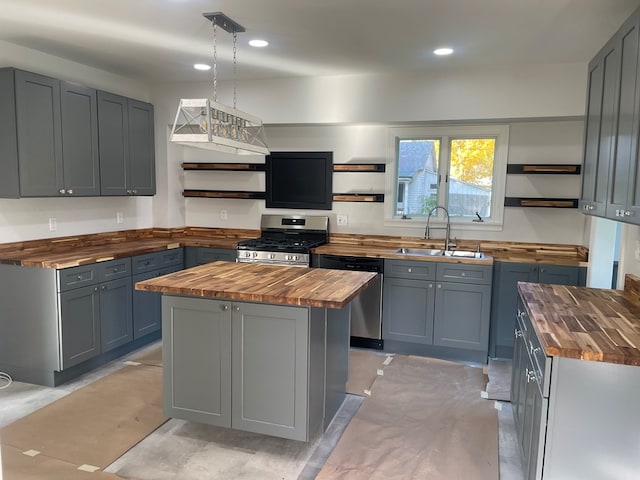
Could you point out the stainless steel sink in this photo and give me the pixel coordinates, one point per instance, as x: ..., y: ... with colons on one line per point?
x: 463, y: 253
x: 436, y: 252
x: 428, y: 252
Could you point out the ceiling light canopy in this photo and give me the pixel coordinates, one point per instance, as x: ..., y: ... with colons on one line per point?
x: 443, y: 51
x: 205, y: 123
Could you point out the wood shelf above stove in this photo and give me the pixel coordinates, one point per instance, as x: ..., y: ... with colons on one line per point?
x: 224, y: 194
x: 230, y: 167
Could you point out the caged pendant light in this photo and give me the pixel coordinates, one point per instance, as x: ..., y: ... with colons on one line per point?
x: 205, y: 123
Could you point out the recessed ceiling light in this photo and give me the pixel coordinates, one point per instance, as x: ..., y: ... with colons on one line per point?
x: 443, y: 51
x: 258, y: 43
x: 202, y: 66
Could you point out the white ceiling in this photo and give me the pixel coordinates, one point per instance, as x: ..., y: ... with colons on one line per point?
x: 160, y: 40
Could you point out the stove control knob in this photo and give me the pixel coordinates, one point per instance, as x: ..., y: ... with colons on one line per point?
x: 287, y: 257
x: 247, y: 254
x: 255, y: 254
x: 272, y: 256
x: 295, y: 257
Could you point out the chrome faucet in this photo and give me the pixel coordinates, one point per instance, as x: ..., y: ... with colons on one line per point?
x: 447, y: 229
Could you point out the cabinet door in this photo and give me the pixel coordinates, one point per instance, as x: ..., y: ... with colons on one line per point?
x: 147, y: 311
x: 623, y: 164
x: 196, y: 349
x: 504, y: 301
x: 39, y: 135
x: 9, y: 180
x: 604, y: 74
x: 461, y: 317
x: 115, y: 313
x: 113, y: 135
x: 558, y: 274
x: 270, y: 364
x: 80, y: 159
x: 142, y: 163
x: 407, y: 310
x: 79, y: 325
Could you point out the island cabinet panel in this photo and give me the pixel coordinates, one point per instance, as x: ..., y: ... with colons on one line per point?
x: 505, y: 296
x: 197, y: 359
x: 270, y: 353
x: 437, y: 309
x: 248, y: 366
x: 574, y: 418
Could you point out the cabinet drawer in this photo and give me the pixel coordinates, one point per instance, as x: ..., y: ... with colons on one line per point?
x: 170, y: 258
x: 208, y: 255
x: 75, y: 277
x: 464, y: 273
x: 410, y: 270
x: 113, y: 269
x: 145, y: 263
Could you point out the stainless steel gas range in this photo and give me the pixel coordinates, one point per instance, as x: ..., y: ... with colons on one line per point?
x: 285, y: 240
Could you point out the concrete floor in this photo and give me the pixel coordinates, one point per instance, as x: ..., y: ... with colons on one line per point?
x: 184, y: 450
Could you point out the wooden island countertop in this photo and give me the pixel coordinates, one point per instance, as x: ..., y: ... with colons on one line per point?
x: 250, y: 282
x: 584, y: 323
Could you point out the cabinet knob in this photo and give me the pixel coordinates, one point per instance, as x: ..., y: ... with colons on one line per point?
x: 115, y: 269
x: 431, y: 285
x: 79, y: 277
x: 517, y: 333
x: 70, y: 192
x: 439, y: 285
x: 628, y: 213
x: 224, y: 308
x: 531, y: 375
x: 463, y: 274
x: 409, y: 270
x: 62, y: 191
x: 134, y: 191
x: 236, y: 309
x: 103, y: 287
x: 95, y: 289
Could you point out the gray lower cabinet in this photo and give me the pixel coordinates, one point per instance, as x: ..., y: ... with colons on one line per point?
x: 505, y: 296
x: 195, y: 256
x: 126, y: 145
x: 248, y: 366
x: 437, y: 308
x: 79, y: 325
x: 116, y: 320
x: 147, y: 306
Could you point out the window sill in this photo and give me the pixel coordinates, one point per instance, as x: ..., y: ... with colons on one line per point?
x: 420, y: 222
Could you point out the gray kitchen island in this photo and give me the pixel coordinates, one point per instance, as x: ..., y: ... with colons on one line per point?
x: 259, y: 348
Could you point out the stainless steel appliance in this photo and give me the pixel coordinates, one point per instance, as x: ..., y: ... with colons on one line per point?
x: 366, y: 308
x: 285, y: 240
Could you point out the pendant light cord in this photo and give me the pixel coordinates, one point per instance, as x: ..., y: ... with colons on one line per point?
x: 215, y: 61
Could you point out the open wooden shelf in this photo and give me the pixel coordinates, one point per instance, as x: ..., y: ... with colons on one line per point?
x: 224, y: 194
x: 541, y: 202
x: 537, y: 169
x: 359, y: 167
x: 358, y: 197
x: 231, y: 167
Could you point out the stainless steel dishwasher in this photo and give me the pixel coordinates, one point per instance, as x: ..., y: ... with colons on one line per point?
x: 366, y: 309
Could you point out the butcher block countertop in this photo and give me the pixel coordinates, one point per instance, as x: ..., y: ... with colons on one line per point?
x: 250, y: 282
x: 77, y: 250
x: 595, y: 324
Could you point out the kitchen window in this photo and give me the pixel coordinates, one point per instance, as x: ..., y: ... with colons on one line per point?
x: 462, y: 168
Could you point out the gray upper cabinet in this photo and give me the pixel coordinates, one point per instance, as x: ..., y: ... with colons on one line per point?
x: 79, y: 140
x: 127, y: 153
x: 39, y: 135
x: 609, y: 183
x: 62, y: 139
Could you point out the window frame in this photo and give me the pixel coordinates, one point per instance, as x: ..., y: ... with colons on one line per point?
x: 446, y: 133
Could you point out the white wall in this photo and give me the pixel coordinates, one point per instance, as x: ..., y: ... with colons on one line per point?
x: 25, y: 219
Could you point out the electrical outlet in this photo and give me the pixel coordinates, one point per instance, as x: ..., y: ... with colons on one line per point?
x: 223, y: 214
x: 342, y: 220
x: 52, y: 224
x: 119, y: 217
